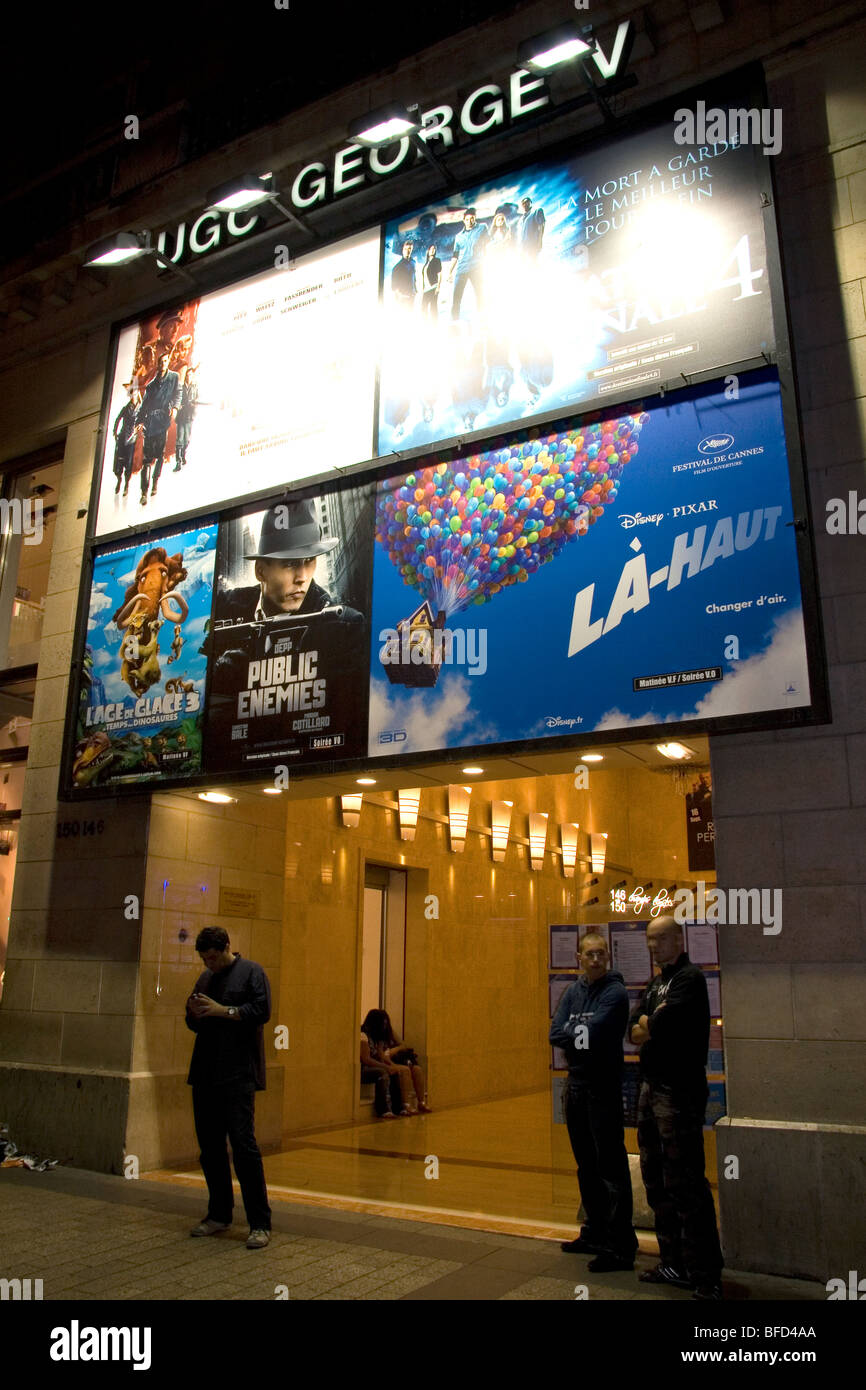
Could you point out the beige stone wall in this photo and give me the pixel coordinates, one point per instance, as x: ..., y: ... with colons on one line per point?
x: 194, y: 850
x: 791, y: 806
x: 72, y: 964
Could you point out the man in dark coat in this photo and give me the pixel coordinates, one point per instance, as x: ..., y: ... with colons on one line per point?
x: 227, y: 1011
x: 671, y: 1023
x: 530, y: 229
x: 590, y: 1026
x: 185, y: 416
x: 159, y: 407
x: 285, y: 562
x: 125, y: 434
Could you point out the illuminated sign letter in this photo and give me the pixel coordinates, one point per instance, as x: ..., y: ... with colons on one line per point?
x: 318, y: 186
x: 493, y: 111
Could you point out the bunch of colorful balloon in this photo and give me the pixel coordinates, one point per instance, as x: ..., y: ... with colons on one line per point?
x: 461, y: 532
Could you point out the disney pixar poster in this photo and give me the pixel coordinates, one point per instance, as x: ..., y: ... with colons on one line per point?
x: 632, y: 570
x: 142, y: 684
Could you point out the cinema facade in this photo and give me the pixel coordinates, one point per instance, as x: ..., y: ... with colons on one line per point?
x: 550, y: 409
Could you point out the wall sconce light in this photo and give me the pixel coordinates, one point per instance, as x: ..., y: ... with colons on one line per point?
x: 500, y: 824
x: 537, y: 838
x: 408, y: 800
x: 350, y: 809
x: 598, y: 852
x: 458, y: 816
x: 568, y: 841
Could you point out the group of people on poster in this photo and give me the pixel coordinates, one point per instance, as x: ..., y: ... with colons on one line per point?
x: 162, y: 392
x: 466, y: 305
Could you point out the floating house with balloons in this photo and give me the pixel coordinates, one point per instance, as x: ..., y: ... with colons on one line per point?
x: 419, y: 648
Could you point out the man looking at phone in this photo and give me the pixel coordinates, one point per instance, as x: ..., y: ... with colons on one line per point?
x: 227, y: 1012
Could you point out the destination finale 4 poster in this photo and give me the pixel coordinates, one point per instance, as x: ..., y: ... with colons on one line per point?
x: 637, y: 569
x: 608, y: 272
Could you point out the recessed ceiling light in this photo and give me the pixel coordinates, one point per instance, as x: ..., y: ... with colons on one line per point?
x: 365, y: 781
x: 592, y: 757
x: 678, y: 751
x: 218, y: 798
x: 472, y: 771
x: 272, y: 791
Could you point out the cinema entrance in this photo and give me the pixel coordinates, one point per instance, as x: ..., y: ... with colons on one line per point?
x: 455, y: 904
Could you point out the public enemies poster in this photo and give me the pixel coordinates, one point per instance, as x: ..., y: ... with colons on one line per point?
x: 291, y: 634
x: 142, y: 685
x: 572, y: 282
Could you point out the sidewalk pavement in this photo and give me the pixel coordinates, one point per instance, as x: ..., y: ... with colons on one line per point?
x: 92, y: 1236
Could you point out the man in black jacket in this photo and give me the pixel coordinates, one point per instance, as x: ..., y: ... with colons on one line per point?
x: 671, y: 1022
x: 159, y: 407
x: 290, y: 543
x: 590, y: 1026
x: 227, y: 1011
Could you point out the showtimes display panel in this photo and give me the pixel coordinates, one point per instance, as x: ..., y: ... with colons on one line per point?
x: 630, y: 571
x: 255, y: 386
x: 569, y: 281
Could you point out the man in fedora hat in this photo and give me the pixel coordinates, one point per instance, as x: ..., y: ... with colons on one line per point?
x: 290, y: 543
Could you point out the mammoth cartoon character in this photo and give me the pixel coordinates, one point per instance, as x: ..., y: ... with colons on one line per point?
x: 149, y: 600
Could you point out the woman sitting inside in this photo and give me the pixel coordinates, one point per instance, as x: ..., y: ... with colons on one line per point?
x: 393, y: 1066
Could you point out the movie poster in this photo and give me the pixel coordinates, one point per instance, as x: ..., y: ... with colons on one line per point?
x: 142, y: 686
x: 291, y: 634
x: 700, y: 830
x: 237, y: 392
x: 567, y: 282
x: 625, y: 572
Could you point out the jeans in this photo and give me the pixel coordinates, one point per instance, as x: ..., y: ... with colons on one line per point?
x: 461, y: 280
x: 222, y: 1112
x: 671, y: 1141
x: 593, y: 1116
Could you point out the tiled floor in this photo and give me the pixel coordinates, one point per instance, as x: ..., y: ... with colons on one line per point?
x: 504, y: 1165
x: 92, y: 1237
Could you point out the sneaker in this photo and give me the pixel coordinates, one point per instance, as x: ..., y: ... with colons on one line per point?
x: 666, y: 1274
x: 708, y: 1293
x: 257, y: 1240
x: 209, y: 1228
x: 606, y: 1262
x: 579, y: 1246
